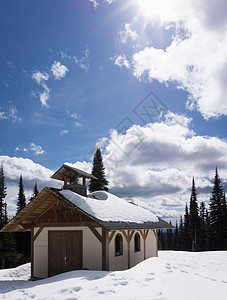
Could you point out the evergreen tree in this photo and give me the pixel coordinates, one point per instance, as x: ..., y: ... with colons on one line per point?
x: 207, y: 231
x: 202, y: 216
x: 8, y: 254
x: 224, y: 218
x: 194, y: 221
x: 175, y: 238
x: 35, y: 192
x: 169, y: 238
x: 161, y: 241
x: 2, y: 197
x: 21, y: 202
x: 98, y: 171
x: 217, y: 208
x: 186, y: 232
x: 180, y: 235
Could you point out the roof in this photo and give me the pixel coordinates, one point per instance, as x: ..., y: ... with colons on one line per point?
x: 113, y: 212
x: 104, y: 208
x: 68, y: 170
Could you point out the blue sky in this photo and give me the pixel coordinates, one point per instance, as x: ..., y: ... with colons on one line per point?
x: 72, y: 71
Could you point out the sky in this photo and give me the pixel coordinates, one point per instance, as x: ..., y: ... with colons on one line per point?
x: 144, y: 80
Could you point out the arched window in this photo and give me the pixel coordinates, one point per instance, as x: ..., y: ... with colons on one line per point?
x: 137, y: 242
x: 118, y: 245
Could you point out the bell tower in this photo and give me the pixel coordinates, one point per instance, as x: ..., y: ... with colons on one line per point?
x: 70, y: 176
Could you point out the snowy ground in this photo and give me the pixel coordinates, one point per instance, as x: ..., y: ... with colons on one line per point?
x: 173, y: 275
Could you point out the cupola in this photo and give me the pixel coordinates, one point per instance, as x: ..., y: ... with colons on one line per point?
x: 70, y: 176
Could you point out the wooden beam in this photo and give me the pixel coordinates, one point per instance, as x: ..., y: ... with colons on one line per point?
x: 146, y: 234
x: 95, y: 232
x: 111, y: 236
x: 125, y: 235
x: 37, y: 233
x: 67, y: 224
x: 105, y: 249
x: 128, y: 249
x: 32, y: 253
x: 24, y: 216
x: 131, y: 235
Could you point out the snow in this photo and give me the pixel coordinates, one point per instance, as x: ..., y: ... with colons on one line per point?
x: 171, y: 276
x: 108, y: 207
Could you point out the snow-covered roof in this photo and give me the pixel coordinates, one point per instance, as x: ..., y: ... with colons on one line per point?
x: 107, y: 207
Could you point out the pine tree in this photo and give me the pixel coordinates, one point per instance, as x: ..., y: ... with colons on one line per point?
x: 217, y: 208
x: 194, y: 222
x: 8, y: 254
x: 98, y: 171
x: 202, y: 215
x: 2, y: 197
x: 207, y: 232
x: 186, y: 231
x: 169, y: 238
x: 21, y: 202
x: 35, y: 192
x: 175, y: 238
x: 180, y: 234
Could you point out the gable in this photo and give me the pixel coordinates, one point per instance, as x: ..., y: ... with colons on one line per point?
x: 62, y: 212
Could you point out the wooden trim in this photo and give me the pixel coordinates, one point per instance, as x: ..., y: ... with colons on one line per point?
x: 146, y: 234
x: 68, y: 224
x: 105, y: 249
x: 131, y: 235
x: 111, y: 236
x: 156, y: 236
x: 95, y: 232
x: 32, y: 252
x: 46, y: 210
x: 125, y: 235
x: 37, y: 233
x: 22, y: 218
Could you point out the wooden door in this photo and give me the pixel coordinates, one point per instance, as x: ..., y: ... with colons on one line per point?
x: 64, y: 251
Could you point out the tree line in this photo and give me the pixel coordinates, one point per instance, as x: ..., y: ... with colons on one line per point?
x: 201, y: 228
x: 14, y: 246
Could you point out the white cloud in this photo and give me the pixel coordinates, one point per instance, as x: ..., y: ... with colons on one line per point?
x: 84, y: 61
x: 128, y: 33
x: 156, y: 163
x: 122, y: 61
x: 31, y: 172
x: 95, y: 3
x: 40, y: 78
x: 109, y: 1
x: 195, y: 59
x: 11, y: 115
x: 78, y: 120
x: 37, y: 150
x: 58, y: 70
x: 63, y: 132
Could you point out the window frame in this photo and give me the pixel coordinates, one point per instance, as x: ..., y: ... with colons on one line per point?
x: 118, y: 243
x: 137, y: 242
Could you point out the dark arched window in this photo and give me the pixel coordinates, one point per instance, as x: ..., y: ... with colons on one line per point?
x: 118, y: 245
x: 137, y: 242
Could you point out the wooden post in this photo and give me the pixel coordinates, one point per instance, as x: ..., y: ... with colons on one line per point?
x: 105, y: 249
x: 32, y: 252
x: 84, y: 181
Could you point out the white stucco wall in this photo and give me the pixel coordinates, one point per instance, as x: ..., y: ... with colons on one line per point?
x: 92, y: 250
x: 119, y: 262
x: 151, y: 245
x: 136, y: 257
